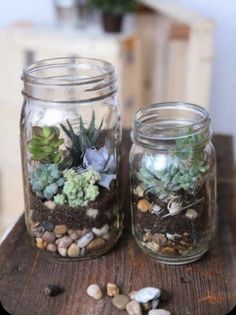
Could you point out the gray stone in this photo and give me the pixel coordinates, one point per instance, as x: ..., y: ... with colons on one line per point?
x: 120, y: 301
x: 147, y: 294
x: 85, y: 240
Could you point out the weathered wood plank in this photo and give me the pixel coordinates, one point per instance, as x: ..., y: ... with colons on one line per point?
x: 205, y: 287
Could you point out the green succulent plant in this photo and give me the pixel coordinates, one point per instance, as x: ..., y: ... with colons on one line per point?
x: 46, y: 180
x: 79, y: 188
x: 86, y: 138
x: 44, y: 145
x: 184, y: 168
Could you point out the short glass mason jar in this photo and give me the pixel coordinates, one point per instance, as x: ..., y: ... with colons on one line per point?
x: 173, y: 182
x: 70, y: 137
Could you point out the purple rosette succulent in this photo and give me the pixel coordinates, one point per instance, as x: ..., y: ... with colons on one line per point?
x: 102, y: 162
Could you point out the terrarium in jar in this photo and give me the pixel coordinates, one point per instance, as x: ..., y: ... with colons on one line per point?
x: 70, y: 136
x: 173, y: 182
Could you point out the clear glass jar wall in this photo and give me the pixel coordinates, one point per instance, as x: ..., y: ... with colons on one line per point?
x: 70, y: 136
x: 173, y: 182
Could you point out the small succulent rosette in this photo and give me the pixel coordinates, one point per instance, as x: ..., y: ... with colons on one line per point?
x: 171, y: 199
x: 73, y: 194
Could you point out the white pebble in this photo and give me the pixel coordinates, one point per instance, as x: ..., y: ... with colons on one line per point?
x: 134, y: 308
x: 94, y: 291
x: 102, y: 231
x: 156, y: 209
x: 159, y: 312
x: 147, y: 294
x: 191, y: 214
x: 50, y: 204
x: 62, y: 251
x: 92, y: 213
x: 85, y: 240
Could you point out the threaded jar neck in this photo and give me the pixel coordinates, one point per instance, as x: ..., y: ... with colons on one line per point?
x: 72, y: 79
x: 158, y: 126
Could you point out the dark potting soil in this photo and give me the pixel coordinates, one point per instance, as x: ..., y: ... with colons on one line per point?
x: 75, y: 217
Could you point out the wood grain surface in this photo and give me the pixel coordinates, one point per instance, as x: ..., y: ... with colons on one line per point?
x: 201, y: 288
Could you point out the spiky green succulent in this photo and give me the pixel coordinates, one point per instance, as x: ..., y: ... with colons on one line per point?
x: 86, y: 138
x: 44, y: 145
x: 184, y: 168
x: 46, y: 180
x: 79, y: 188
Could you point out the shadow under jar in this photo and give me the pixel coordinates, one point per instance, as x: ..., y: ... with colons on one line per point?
x: 70, y: 137
x: 173, y: 182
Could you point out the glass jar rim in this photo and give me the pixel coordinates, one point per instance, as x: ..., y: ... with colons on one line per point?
x: 66, y: 79
x: 151, y: 128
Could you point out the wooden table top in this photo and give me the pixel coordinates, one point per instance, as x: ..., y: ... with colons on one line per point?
x: 207, y: 286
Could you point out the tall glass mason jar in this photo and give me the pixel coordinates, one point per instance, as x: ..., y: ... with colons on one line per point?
x: 70, y: 137
x: 173, y: 182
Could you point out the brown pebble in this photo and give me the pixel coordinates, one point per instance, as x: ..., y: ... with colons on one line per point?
x: 146, y: 306
x: 73, y: 251
x: 168, y: 251
x: 97, y: 243
x: 60, y: 229
x: 143, y: 205
x: 40, y: 243
x: 52, y: 247
x: 76, y: 234
x: 133, y: 308
x: 120, y: 301
x: 112, y: 289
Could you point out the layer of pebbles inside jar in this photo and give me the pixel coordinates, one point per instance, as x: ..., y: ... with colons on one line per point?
x: 73, y: 190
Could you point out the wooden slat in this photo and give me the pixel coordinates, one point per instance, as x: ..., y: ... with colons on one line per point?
x: 211, y: 285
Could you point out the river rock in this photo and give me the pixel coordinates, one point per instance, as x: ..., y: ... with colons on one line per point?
x: 73, y: 250
x: 50, y: 204
x: 64, y: 241
x: 143, y: 205
x: 102, y: 231
x: 96, y: 243
x: 155, y: 304
x: 52, y: 247
x: 49, y: 237
x: 133, y: 308
x: 37, y: 231
x: 107, y: 236
x: 92, y: 213
x: 147, y: 294
x: 85, y: 240
x: 132, y: 295
x: 159, y: 312
x: 146, y: 306
x: 120, y: 301
x: 40, y: 243
x: 62, y: 251
x: 60, y: 229
x: 191, y: 214
x: 76, y: 234
x: 159, y: 238
x: 94, y: 291
x: 49, y: 226
x: 112, y: 289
